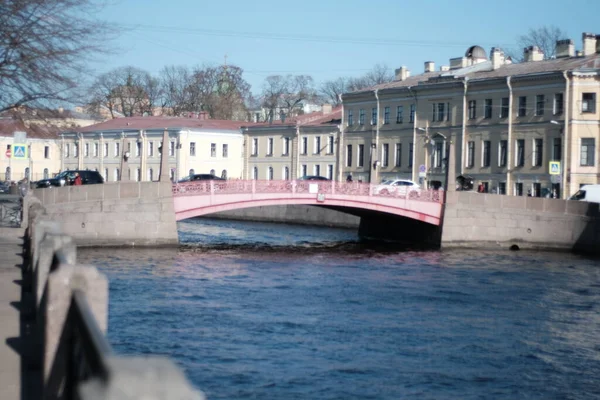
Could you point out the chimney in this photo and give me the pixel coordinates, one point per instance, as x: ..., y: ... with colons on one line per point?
x: 429, y: 66
x: 444, y: 68
x: 579, y: 53
x: 402, y: 73
x: 565, y: 48
x: 532, y: 53
x: 589, y: 43
x: 326, y: 108
x: 497, y: 57
x: 459, y: 62
x: 60, y: 110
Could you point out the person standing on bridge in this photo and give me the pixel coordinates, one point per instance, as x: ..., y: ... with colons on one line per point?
x: 349, y: 178
x: 77, y: 180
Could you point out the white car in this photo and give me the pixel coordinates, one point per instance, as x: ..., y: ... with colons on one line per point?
x: 397, y: 187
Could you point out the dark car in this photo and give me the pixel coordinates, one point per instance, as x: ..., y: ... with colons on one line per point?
x: 66, y: 178
x: 314, y: 178
x: 201, y: 177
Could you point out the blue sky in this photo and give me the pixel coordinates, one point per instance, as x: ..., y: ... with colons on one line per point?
x: 324, y: 38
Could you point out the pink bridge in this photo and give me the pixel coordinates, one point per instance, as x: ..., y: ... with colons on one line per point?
x: 197, y: 198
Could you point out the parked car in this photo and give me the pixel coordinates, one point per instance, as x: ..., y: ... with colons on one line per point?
x: 201, y: 177
x: 66, y: 178
x: 400, y: 187
x: 314, y: 178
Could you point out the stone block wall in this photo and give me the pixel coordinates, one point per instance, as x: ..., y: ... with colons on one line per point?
x: 114, y: 214
x: 495, y: 221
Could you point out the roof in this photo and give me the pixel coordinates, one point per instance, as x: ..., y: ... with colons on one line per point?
x: 145, y: 123
x: 8, y: 126
x: 484, y: 70
x: 316, y: 118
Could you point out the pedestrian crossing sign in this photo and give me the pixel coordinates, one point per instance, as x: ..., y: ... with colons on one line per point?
x: 554, y: 167
x: 19, y: 151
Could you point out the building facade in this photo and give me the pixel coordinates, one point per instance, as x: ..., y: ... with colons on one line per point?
x: 195, y: 146
x: 504, y: 122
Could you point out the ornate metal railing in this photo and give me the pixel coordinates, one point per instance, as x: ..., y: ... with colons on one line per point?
x: 301, y: 187
x: 10, y: 210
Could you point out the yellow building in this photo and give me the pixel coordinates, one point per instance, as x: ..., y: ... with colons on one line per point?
x: 195, y: 146
x: 505, y: 122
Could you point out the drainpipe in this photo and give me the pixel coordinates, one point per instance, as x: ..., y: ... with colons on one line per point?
x: 297, y: 151
x: 509, y: 145
x: 465, y: 142
x: 567, y: 148
x: 62, y: 154
x: 415, y: 177
x: 80, y: 150
x: 101, y: 155
x: 340, y: 145
x: 376, y: 161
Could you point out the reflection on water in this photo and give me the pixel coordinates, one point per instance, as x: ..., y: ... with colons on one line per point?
x: 299, y: 312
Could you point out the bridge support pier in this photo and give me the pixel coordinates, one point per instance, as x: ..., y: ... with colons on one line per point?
x: 399, y: 229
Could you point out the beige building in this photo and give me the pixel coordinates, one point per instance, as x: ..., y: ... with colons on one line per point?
x: 505, y: 122
x: 195, y: 146
x: 300, y: 146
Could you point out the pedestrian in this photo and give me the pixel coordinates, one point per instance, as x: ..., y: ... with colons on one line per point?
x: 349, y: 178
x: 77, y: 180
x: 480, y: 188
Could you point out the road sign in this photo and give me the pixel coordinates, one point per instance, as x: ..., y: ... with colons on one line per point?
x: 20, y: 137
x: 554, y: 167
x: 8, y: 153
x: 422, y: 168
x: 422, y: 174
x: 20, y: 151
x: 555, y: 178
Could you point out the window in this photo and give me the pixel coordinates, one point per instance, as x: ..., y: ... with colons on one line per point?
x: 487, y: 111
x: 171, y: 149
x: 399, y: 114
x: 255, y: 147
x: 558, y: 106
x: 116, y: 175
x: 437, y: 154
x: 538, y: 152
x: 502, y: 153
x: 46, y: 173
x: 225, y: 151
x: 138, y: 148
x: 540, y: 99
x: 349, y: 155
x: 86, y: 150
x: 270, y: 146
x: 193, y: 149
x: 212, y: 171
x: 96, y: 147
x: 386, y: 115
x: 588, y: 102
x: 557, y: 149
x: 255, y: 173
x: 486, y: 156
x: 270, y: 173
x: 317, y: 145
x: 317, y: 170
x: 519, y: 188
x: 286, y: 173
x: 213, y: 149
x: 522, y: 106
x: 472, y: 109
x: 441, y: 111
x: 520, y: 154
x: 410, y: 155
x: 150, y: 174
x: 117, y: 149
x: 330, y: 171
x: 67, y: 150
x: 286, y: 146
x: 304, y: 169
x: 501, y: 187
x: 413, y: 110
x: 191, y: 172
x: 330, y: 143
x: 105, y: 150
x: 46, y: 151
x: 350, y: 118
x: 385, y: 155
x: 360, y: 157
x: 374, y: 116
x: 75, y: 150
x: 138, y: 175
x: 504, y: 108
x: 224, y: 174
x: 471, y: 154
x: 150, y: 149
x: 105, y: 175
x: 304, y: 149
x: 361, y: 117
x: 398, y: 157
x: 588, y: 148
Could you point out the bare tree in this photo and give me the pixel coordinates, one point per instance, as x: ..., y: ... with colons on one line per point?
x: 330, y: 90
x: 379, y: 74
x: 44, y: 46
x: 544, y: 37
x: 175, y: 83
x: 287, y: 94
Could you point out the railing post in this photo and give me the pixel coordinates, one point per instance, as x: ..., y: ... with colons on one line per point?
x: 253, y: 186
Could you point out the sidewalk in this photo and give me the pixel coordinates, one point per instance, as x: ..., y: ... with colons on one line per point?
x: 11, y: 248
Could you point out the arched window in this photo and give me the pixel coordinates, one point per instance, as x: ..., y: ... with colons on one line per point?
x: 255, y: 173
x: 212, y: 171
x: 150, y: 175
x: 270, y: 173
x: 46, y: 173
x: 224, y: 174
x: 191, y: 172
x: 116, y: 175
x: 286, y: 173
x: 138, y: 175
x: 7, y: 174
x: 27, y: 172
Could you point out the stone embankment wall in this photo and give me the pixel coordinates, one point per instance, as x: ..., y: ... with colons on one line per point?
x: 114, y: 214
x: 494, y: 221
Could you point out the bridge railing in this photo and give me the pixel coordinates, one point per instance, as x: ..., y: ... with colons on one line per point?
x: 69, y: 315
x: 195, y: 188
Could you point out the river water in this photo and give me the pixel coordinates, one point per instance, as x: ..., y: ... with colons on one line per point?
x: 267, y: 311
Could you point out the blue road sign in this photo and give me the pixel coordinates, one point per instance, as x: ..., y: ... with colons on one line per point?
x: 19, y: 151
x: 554, y: 167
